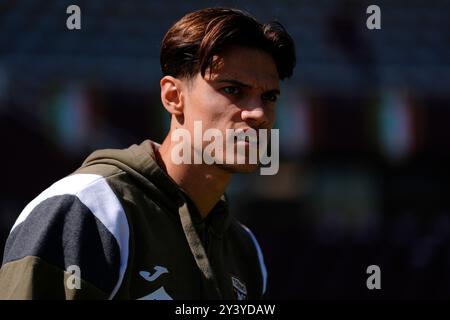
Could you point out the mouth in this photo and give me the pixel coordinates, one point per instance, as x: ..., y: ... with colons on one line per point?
x: 242, y: 137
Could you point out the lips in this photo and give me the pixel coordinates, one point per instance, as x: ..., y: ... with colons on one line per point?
x: 242, y: 136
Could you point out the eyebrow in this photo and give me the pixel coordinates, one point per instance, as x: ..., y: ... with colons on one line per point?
x: 245, y: 85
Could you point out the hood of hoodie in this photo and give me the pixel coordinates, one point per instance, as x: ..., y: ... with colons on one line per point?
x: 139, y: 161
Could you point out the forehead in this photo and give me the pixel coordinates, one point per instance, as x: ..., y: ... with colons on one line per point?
x: 251, y: 66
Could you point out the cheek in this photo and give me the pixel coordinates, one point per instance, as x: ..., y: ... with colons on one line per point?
x: 202, y: 101
x: 270, y: 112
x: 271, y: 116
x: 209, y: 106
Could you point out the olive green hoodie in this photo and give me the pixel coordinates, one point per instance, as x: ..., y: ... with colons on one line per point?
x: 119, y: 227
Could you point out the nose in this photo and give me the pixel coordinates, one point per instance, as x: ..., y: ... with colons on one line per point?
x: 256, y: 117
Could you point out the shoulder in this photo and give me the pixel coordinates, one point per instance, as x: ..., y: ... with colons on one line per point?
x: 77, y: 221
x: 77, y: 194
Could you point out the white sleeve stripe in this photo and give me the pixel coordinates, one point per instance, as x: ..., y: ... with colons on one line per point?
x: 260, y: 257
x: 95, y: 193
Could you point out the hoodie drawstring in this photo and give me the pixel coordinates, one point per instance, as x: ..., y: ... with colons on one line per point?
x: 198, y: 251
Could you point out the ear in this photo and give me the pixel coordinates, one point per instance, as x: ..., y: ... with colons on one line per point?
x: 172, y: 95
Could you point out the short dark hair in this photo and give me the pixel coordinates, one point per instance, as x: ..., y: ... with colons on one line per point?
x: 190, y: 44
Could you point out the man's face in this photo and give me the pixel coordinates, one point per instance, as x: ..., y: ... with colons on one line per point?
x: 240, y: 93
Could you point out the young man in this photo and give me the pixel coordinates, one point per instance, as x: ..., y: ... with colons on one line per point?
x: 134, y: 223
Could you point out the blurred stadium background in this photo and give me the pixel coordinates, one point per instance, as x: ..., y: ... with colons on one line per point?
x: 364, y: 126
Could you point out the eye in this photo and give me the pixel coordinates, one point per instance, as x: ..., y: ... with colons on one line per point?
x: 232, y: 90
x: 270, y: 97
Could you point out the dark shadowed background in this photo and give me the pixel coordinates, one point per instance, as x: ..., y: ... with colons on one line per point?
x: 364, y: 127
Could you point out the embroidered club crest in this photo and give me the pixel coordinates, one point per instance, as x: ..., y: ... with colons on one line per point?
x: 239, y: 288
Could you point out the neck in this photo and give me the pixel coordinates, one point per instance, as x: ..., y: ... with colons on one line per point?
x: 205, y: 184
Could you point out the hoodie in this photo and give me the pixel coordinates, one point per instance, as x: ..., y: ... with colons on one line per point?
x: 120, y: 228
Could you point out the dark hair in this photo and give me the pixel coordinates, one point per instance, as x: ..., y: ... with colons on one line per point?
x: 190, y: 44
